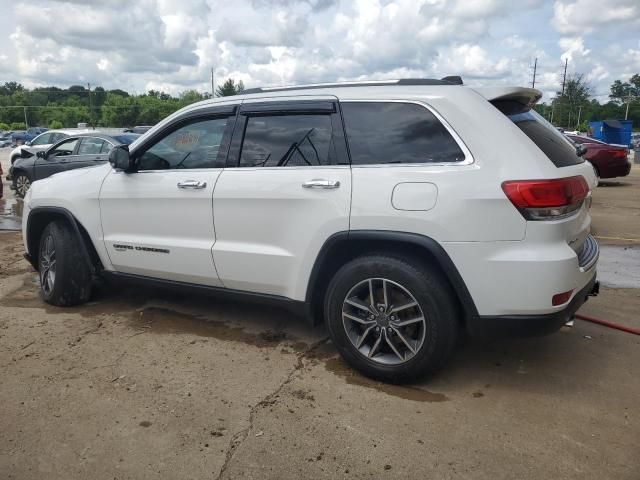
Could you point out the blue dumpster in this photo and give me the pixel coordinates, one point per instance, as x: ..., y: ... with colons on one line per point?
x: 612, y: 131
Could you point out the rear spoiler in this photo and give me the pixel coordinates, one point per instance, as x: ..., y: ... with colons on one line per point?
x: 511, y: 100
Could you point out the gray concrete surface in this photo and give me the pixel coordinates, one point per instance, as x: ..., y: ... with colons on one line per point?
x: 147, y: 384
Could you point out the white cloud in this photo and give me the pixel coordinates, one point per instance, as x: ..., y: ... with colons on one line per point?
x: 172, y: 45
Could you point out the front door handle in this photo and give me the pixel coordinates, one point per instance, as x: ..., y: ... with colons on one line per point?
x: 321, y: 183
x: 192, y: 184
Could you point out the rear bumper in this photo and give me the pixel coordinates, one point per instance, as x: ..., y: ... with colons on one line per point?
x: 530, y: 325
x: 618, y: 170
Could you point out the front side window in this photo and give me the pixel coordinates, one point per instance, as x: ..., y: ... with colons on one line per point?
x: 65, y: 148
x: 394, y: 132
x: 195, y: 145
x: 288, y: 141
x: 90, y: 146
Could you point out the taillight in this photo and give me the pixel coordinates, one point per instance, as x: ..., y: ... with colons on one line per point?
x: 547, y: 199
x: 617, y: 153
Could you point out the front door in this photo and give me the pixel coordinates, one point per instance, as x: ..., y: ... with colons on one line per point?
x: 287, y: 188
x: 158, y: 221
x: 58, y: 159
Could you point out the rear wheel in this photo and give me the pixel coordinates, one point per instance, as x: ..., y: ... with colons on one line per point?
x: 390, y: 318
x: 65, y: 277
x: 21, y: 183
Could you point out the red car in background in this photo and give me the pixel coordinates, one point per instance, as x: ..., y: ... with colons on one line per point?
x: 608, y: 160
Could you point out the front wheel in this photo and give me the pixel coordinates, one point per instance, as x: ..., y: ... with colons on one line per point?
x: 21, y: 183
x: 65, y: 277
x: 391, y: 318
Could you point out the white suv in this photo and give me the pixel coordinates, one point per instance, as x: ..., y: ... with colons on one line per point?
x: 400, y: 213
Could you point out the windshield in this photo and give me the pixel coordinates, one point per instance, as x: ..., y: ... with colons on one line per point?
x: 552, y: 143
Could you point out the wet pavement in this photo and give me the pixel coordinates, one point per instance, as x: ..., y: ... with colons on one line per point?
x: 10, y: 213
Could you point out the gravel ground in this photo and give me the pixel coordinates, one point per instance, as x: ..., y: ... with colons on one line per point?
x: 148, y: 384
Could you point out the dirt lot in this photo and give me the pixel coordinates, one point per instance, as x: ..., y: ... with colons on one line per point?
x: 142, y: 384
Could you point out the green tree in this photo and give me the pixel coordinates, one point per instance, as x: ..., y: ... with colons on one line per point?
x: 622, y: 91
x: 229, y: 88
x: 569, y: 104
x: 55, y: 124
x: 4, y: 126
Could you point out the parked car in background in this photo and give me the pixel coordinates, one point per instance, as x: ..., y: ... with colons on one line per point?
x: 635, y: 140
x: 5, y: 139
x: 81, y: 150
x: 139, y: 129
x: 27, y: 135
x: 609, y: 161
x: 41, y: 142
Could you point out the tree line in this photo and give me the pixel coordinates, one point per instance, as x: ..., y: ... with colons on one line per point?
x: 55, y: 107
x: 573, y: 107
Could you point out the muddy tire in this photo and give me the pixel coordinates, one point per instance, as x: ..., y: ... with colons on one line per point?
x: 392, y: 318
x: 65, y: 277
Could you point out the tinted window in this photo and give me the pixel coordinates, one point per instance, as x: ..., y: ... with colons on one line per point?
x: 196, y: 145
x: 397, y: 133
x: 552, y: 143
x: 288, y: 140
x: 90, y: 146
x: 65, y: 148
x: 44, y: 139
x: 126, y: 139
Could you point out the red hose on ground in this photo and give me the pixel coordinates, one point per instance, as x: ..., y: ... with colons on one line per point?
x: 623, y: 328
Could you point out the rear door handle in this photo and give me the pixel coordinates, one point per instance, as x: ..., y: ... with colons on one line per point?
x: 192, y: 184
x: 321, y: 183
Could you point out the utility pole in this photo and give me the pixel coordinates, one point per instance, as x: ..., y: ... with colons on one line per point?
x: 564, y: 76
x: 90, y: 108
x: 213, y: 85
x: 535, y: 66
x: 579, y: 114
x: 626, y: 114
x: 26, y: 123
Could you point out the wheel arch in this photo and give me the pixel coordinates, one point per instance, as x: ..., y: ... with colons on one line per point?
x: 344, y: 246
x: 37, y: 221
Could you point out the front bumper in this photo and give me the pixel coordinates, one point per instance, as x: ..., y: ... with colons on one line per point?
x: 530, y: 325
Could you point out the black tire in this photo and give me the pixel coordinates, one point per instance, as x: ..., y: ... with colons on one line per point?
x: 21, y: 183
x: 71, y: 280
x: 435, y: 300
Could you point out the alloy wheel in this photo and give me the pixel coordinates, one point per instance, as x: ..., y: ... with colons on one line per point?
x: 22, y: 185
x: 48, y: 265
x: 383, y: 321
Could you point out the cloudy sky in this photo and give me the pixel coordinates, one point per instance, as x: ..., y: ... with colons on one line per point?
x: 171, y: 45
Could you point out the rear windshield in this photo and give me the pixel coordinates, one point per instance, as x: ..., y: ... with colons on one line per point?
x: 127, y: 139
x: 552, y: 143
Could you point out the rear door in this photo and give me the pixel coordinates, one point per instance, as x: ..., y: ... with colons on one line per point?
x: 91, y: 151
x: 285, y: 191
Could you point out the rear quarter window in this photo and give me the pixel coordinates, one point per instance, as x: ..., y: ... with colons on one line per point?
x: 396, y: 132
x: 545, y: 136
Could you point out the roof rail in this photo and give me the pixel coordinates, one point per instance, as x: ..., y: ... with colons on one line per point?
x: 451, y: 80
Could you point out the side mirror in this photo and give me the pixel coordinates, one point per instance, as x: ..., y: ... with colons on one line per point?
x: 41, y: 154
x: 119, y: 158
x: 28, y: 144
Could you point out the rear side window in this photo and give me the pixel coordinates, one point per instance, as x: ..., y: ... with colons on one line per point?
x: 552, y: 143
x: 288, y: 141
x: 390, y: 132
x: 90, y: 146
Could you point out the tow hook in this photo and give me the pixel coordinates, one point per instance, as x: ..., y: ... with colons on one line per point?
x: 595, y: 290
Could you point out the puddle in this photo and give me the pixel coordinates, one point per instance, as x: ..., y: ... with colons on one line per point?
x: 157, y: 320
x: 619, y: 266
x: 10, y: 214
x: 338, y: 367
